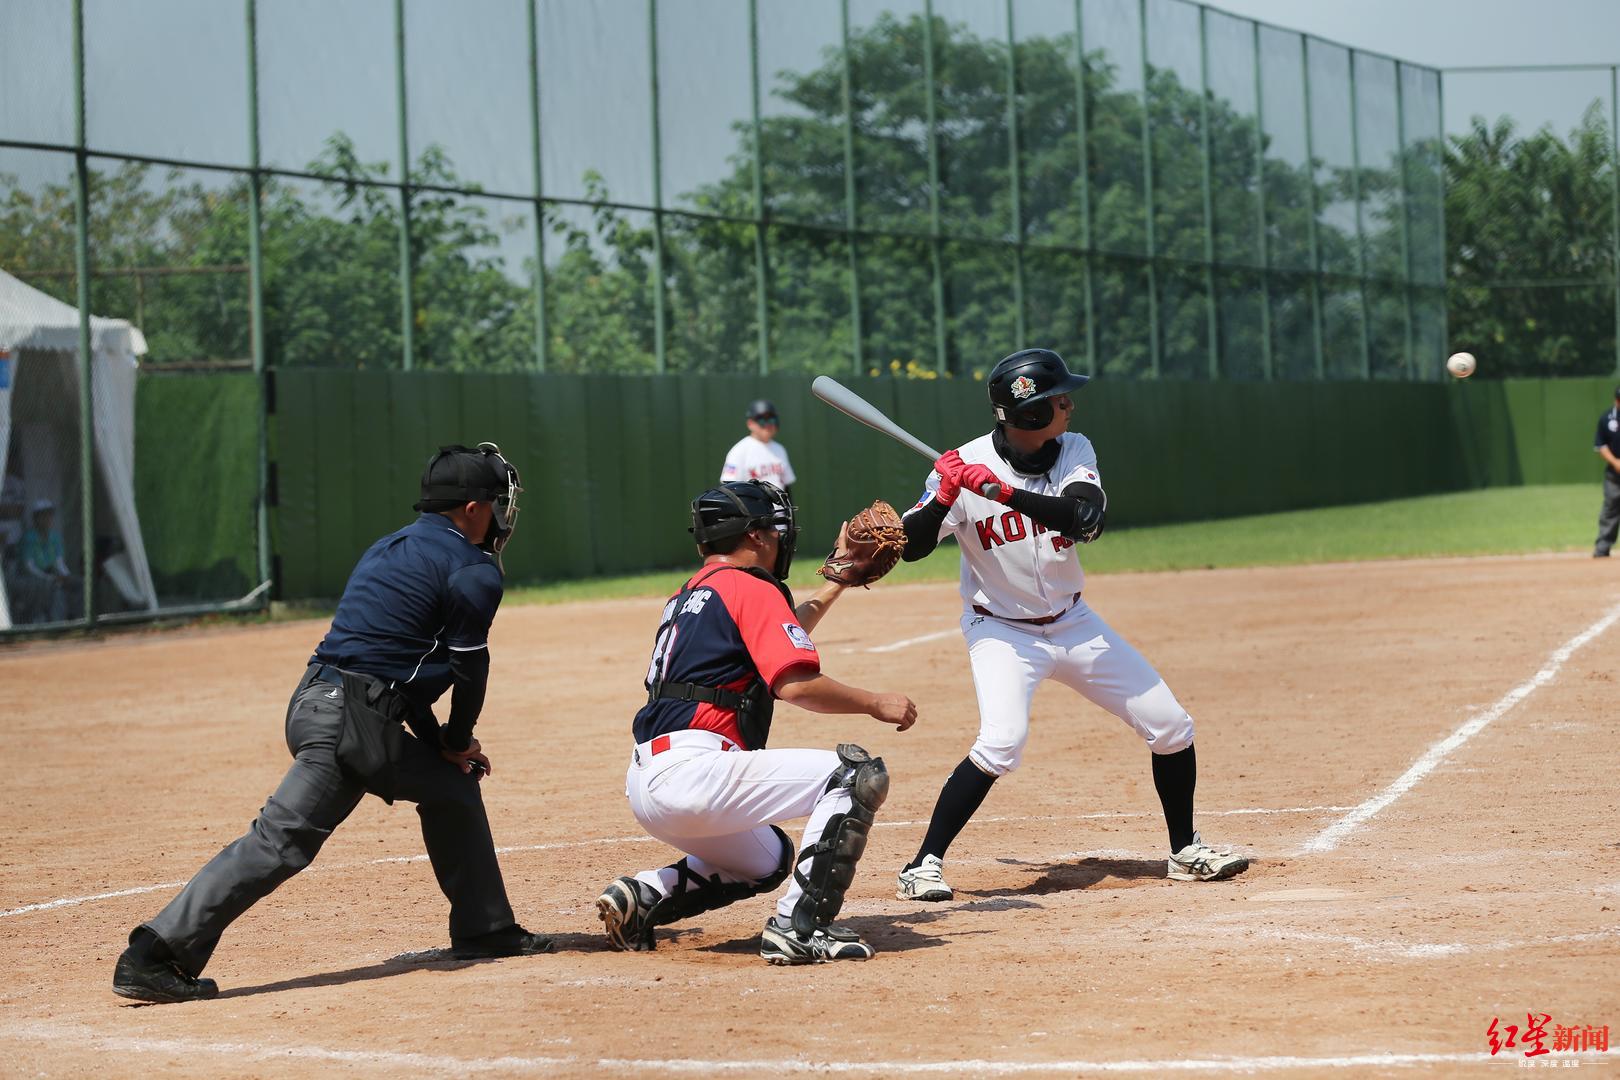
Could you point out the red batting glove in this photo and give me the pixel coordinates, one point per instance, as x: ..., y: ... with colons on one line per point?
x: 948, y: 466
x: 976, y: 478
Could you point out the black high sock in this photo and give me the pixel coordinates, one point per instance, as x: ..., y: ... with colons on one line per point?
x: 959, y: 799
x: 1175, y: 776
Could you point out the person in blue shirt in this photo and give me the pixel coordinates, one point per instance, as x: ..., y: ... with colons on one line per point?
x: 1607, y: 444
x: 413, y: 623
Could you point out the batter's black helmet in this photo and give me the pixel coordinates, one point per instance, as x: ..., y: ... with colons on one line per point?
x: 761, y: 411
x: 721, y: 515
x: 1023, y: 384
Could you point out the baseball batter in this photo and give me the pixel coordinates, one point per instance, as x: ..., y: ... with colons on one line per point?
x: 757, y: 455
x: 728, y: 643
x: 1024, y: 616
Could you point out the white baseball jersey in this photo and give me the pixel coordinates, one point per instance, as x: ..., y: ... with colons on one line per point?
x: 1011, y: 566
x: 751, y: 459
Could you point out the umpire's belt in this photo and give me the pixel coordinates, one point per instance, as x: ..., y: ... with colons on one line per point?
x: 1045, y: 620
x: 685, y: 691
x: 326, y: 673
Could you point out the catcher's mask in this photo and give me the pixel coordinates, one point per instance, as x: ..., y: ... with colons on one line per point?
x: 456, y: 476
x: 721, y: 515
x: 1023, y: 385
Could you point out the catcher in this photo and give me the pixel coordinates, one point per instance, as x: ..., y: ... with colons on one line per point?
x: 729, y: 643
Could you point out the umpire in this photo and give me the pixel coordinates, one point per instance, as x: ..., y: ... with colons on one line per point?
x: 413, y: 622
x: 1607, y: 444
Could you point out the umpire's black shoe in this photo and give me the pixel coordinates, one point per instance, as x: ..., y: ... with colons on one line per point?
x: 513, y: 941
x: 145, y: 978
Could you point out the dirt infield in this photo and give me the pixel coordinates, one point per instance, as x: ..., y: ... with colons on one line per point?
x: 1486, y: 887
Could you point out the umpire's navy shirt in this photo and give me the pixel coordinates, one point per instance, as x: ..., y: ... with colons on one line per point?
x: 414, y: 596
x: 1608, y: 434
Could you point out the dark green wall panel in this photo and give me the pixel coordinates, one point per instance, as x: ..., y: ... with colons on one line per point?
x: 610, y: 464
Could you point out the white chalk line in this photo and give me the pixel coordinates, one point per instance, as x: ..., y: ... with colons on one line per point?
x: 896, y: 646
x: 1390, y: 948
x: 449, y: 1064
x: 1329, y: 838
x: 74, y: 901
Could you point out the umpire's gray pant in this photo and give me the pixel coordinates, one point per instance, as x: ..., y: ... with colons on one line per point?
x: 1609, y: 516
x: 314, y: 797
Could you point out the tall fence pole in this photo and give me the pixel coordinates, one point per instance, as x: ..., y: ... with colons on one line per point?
x: 761, y: 309
x: 1361, y: 233
x: 407, y: 292
x: 1212, y: 309
x: 1445, y: 256
x: 1088, y: 255
x: 1410, y: 355
x: 542, y: 342
x: 81, y: 265
x: 261, y: 373
x: 1316, y: 251
x: 1614, y: 175
x: 1016, y: 180
x: 851, y: 216
x: 934, y: 253
x: 1267, y: 361
x: 660, y: 355
x: 1147, y: 191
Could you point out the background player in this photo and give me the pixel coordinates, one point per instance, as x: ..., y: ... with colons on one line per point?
x: 699, y: 778
x: 1607, y: 445
x: 757, y: 455
x: 1024, y: 618
x: 413, y: 622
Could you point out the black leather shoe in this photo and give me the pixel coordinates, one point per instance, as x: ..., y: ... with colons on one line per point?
x: 145, y: 979
x: 513, y: 941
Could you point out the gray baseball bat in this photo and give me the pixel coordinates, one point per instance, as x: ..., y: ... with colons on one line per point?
x: 856, y: 407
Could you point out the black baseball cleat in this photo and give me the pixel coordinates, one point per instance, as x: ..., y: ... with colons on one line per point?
x: 144, y: 978
x: 512, y: 941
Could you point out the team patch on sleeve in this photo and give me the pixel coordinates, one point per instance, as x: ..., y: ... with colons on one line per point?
x: 800, y: 639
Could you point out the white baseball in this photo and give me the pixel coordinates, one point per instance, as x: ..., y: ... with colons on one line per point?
x: 1461, y: 364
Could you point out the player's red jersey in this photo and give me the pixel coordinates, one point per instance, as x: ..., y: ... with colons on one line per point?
x: 730, y: 627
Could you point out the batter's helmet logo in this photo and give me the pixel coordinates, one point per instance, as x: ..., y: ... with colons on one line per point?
x: 1022, y: 387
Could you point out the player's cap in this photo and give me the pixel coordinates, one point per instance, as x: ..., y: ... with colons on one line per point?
x: 39, y: 506
x: 1021, y: 386
x: 761, y: 411
x: 1617, y: 393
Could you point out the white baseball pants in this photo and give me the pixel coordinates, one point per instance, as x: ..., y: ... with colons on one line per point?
x: 717, y: 805
x: 1080, y: 651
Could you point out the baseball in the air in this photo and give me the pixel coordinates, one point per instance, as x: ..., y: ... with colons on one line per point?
x: 1460, y: 364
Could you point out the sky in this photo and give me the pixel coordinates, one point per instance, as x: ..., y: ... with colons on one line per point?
x: 1473, y: 33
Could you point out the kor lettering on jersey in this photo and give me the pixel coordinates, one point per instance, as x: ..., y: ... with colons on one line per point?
x: 1014, y: 527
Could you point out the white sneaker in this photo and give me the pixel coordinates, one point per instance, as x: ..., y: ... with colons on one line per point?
x: 1200, y: 862
x: 925, y: 881
x: 780, y: 945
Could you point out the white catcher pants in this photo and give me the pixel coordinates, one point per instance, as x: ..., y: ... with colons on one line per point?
x: 717, y: 806
x: 1080, y: 651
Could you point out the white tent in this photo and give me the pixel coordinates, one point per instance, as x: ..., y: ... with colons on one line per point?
x: 39, y: 377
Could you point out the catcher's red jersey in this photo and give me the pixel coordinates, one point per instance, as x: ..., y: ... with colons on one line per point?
x: 730, y: 627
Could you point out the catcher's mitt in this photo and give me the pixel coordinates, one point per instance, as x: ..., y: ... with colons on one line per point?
x: 869, y: 546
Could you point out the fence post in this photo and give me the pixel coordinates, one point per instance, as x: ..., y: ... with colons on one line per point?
x: 1445, y: 256
x: 542, y: 344
x: 1361, y: 235
x: 1316, y: 254
x: 261, y: 372
x: 1406, y: 239
x: 1147, y: 191
x: 1084, y: 131
x: 660, y: 355
x: 851, y: 218
x: 1614, y: 175
x: 932, y: 120
x: 1266, y: 359
x: 81, y: 264
x: 1212, y: 308
x: 407, y: 297
x: 761, y: 309
x: 1016, y: 174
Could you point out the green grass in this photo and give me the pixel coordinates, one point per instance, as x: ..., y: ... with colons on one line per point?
x: 1498, y: 521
